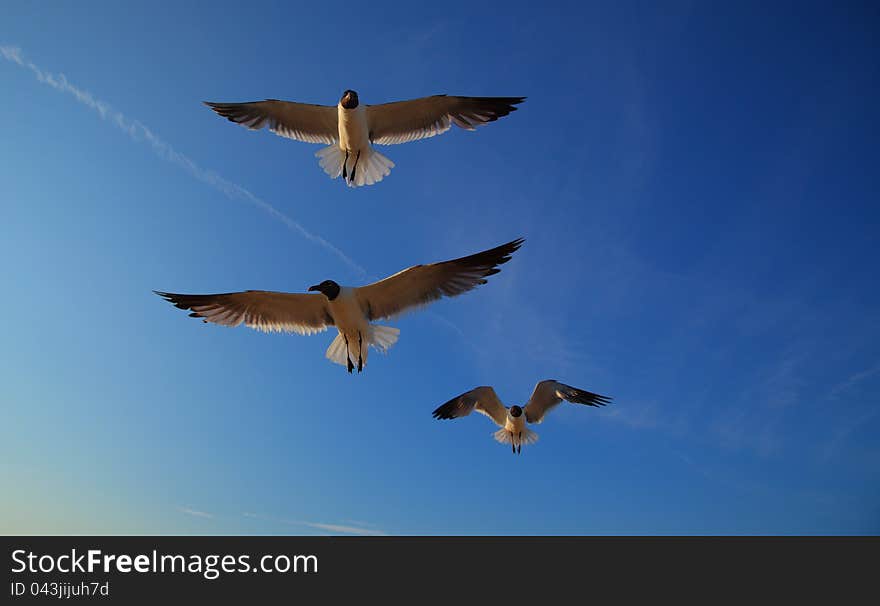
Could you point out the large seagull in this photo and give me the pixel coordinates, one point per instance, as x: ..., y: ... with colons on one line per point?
x: 350, y: 129
x: 350, y: 309
x: 512, y: 421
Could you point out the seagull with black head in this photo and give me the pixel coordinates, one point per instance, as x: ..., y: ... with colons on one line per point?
x: 350, y: 129
x: 547, y: 395
x: 352, y: 310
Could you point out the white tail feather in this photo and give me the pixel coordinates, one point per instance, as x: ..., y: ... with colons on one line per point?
x: 331, y: 158
x: 372, y: 166
x: 380, y: 337
x: 383, y: 337
x: 336, y: 351
x: 506, y: 437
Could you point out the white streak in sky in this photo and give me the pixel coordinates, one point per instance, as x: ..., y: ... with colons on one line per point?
x: 196, y: 513
x: 853, y: 380
x: 338, y: 528
x: 140, y: 133
x: 333, y: 528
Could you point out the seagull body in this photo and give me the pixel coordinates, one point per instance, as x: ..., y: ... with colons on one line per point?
x: 512, y: 421
x: 352, y: 310
x: 350, y: 129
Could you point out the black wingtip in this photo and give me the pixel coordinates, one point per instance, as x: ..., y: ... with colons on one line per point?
x: 510, y: 248
x: 230, y: 111
x: 178, y: 301
x: 172, y: 298
x: 582, y: 396
x: 593, y: 399
x: 507, y: 250
x: 514, y: 245
x: 487, y: 261
x: 446, y: 411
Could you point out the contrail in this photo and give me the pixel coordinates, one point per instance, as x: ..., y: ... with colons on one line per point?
x: 140, y: 133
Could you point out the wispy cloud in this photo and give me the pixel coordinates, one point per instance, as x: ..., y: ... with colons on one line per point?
x: 341, y: 529
x: 196, y: 513
x: 741, y: 429
x: 853, y: 380
x: 349, y: 527
x: 844, y: 432
x: 140, y: 133
x: 358, y: 523
x: 856, y: 419
x: 638, y: 415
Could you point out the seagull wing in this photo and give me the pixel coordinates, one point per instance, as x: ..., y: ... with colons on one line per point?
x: 548, y: 394
x: 482, y: 399
x: 259, y: 309
x: 404, y: 121
x: 301, y: 121
x: 422, y: 284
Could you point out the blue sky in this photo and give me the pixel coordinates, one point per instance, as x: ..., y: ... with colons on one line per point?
x: 697, y: 186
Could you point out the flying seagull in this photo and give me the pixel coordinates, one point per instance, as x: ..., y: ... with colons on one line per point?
x: 350, y: 309
x: 512, y: 421
x: 351, y: 129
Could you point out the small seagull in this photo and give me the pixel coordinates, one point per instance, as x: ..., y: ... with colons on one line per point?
x: 351, y: 129
x: 512, y: 421
x: 350, y: 309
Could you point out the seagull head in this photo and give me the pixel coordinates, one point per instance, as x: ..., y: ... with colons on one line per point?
x: 328, y: 288
x: 515, y: 411
x: 349, y: 99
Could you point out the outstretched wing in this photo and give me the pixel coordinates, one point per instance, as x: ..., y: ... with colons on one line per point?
x: 258, y: 309
x: 481, y: 399
x: 548, y: 394
x: 300, y: 121
x: 404, y: 121
x: 422, y: 284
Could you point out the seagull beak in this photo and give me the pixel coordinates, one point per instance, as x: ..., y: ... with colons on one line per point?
x: 314, y: 288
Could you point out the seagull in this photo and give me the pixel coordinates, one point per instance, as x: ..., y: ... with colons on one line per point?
x: 350, y: 129
x: 512, y: 421
x: 350, y: 309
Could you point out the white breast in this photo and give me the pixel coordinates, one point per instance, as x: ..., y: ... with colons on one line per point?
x: 354, y: 132
x: 515, y: 425
x: 347, y: 312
